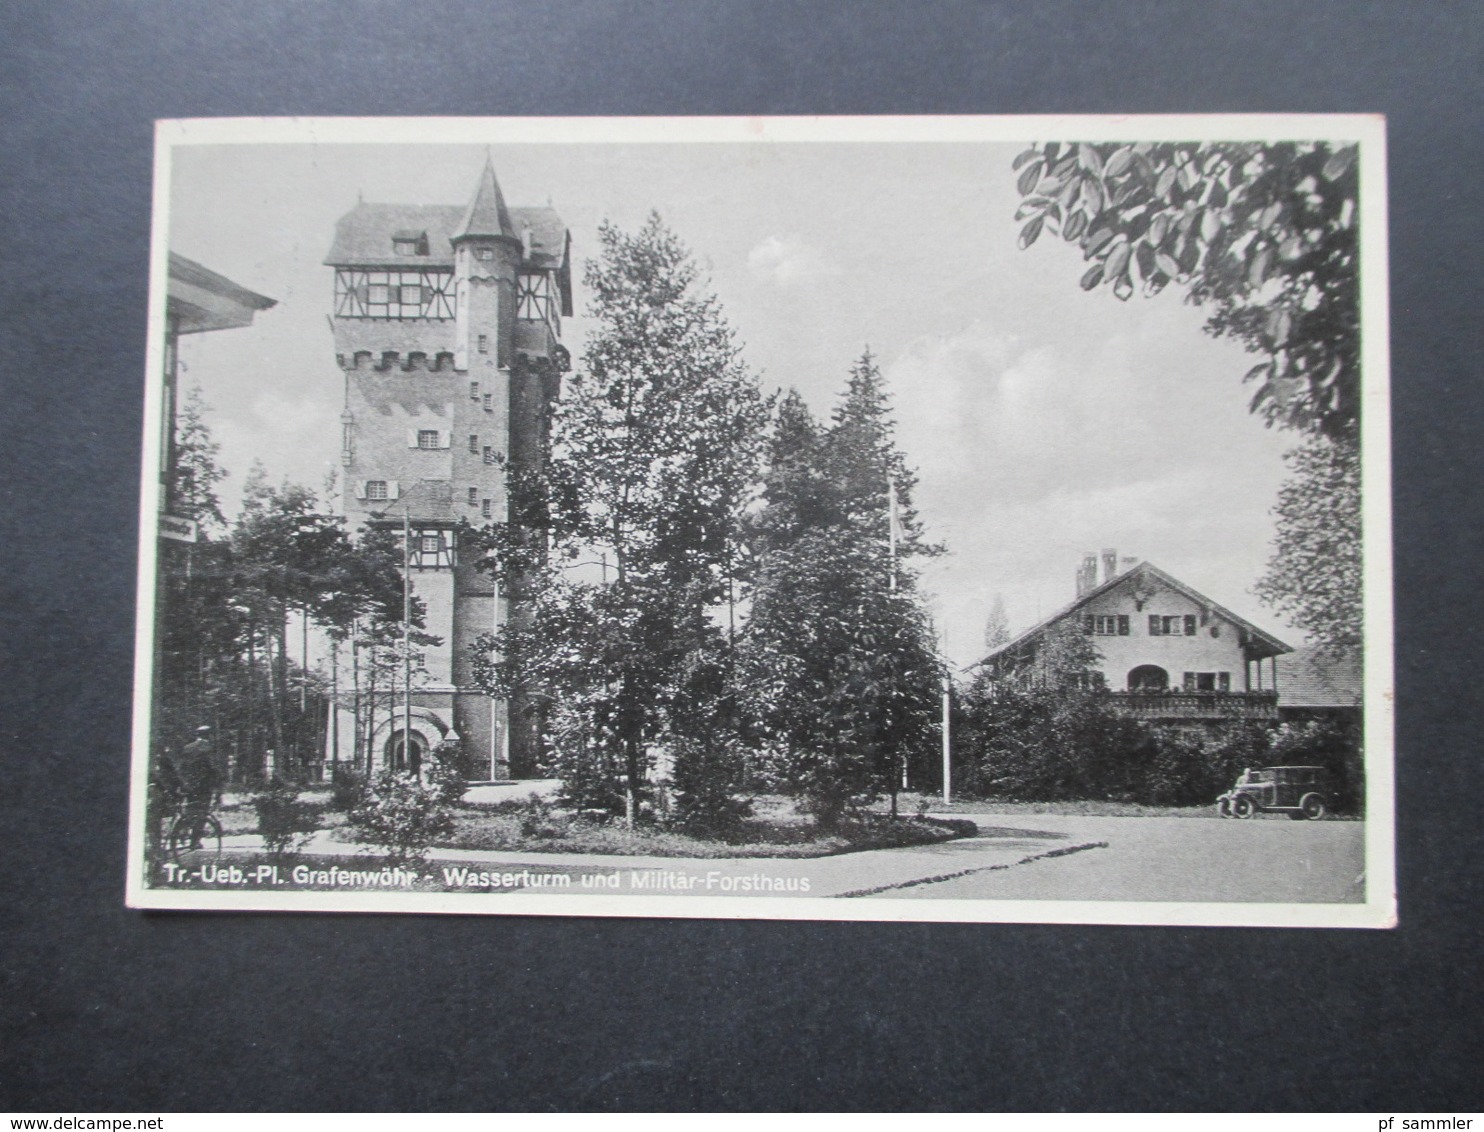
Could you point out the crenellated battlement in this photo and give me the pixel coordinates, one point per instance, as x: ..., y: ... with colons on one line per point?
x: 414, y: 360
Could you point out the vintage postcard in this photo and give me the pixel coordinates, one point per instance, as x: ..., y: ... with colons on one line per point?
x: 967, y: 519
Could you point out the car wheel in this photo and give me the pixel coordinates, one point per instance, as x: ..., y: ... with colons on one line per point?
x: 1312, y: 806
x: 1243, y: 807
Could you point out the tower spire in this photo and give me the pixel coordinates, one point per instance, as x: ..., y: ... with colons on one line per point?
x: 486, y: 214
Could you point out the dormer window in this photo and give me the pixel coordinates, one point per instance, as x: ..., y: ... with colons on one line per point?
x: 407, y: 242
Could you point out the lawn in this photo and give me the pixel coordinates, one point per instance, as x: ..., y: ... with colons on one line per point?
x: 775, y: 829
x: 933, y: 803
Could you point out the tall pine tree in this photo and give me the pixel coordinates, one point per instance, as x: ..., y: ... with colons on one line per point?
x: 838, y: 658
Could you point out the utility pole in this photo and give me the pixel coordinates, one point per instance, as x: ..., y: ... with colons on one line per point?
x: 947, y: 742
x: 406, y: 636
x: 334, y: 708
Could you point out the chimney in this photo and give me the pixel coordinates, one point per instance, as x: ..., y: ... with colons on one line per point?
x: 1110, y: 563
x: 1087, y: 574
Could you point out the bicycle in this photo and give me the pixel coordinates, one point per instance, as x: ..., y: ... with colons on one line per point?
x: 193, y: 829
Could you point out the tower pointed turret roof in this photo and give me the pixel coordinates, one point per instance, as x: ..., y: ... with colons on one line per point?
x: 486, y: 214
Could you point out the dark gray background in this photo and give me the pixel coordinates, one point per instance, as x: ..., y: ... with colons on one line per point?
x: 103, y: 1008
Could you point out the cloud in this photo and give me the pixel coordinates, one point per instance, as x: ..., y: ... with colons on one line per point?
x: 788, y: 261
x: 1031, y: 452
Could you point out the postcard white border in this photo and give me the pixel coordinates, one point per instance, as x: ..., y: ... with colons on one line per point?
x: 1380, y: 907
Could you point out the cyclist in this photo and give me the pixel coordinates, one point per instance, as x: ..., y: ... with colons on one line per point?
x: 200, y: 780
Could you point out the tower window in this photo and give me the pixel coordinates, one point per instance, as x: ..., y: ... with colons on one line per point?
x: 474, y: 443
x: 489, y: 402
x: 376, y: 489
x: 473, y: 497
x: 484, y: 343
x: 427, y: 438
x: 484, y: 253
x: 485, y: 509
x: 489, y: 455
x: 474, y: 391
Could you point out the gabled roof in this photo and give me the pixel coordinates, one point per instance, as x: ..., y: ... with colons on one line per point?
x: 1309, y: 678
x: 363, y: 236
x: 1273, y: 646
x: 486, y: 214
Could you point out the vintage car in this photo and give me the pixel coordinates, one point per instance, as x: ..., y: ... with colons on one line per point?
x: 1301, y: 792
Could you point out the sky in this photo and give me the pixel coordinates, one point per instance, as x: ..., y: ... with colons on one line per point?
x: 1044, y: 422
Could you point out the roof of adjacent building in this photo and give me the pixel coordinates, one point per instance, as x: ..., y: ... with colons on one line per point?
x: 1313, y: 678
x: 198, y: 298
x: 1271, y: 645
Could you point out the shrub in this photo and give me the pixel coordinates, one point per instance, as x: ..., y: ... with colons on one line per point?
x: 1190, y: 767
x: 537, y: 818
x: 445, y: 774
x: 284, y: 822
x: 401, y: 816
x: 706, y: 778
x: 347, y: 788
x: 1330, y: 743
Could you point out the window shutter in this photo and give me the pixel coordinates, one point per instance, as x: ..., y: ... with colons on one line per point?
x: 445, y: 440
x: 412, y: 438
x: 360, y: 489
x: 1223, y: 681
x: 1154, y: 624
x: 1087, y: 625
x: 393, y: 489
x: 1190, y: 681
x: 1190, y: 624
x: 1123, y: 624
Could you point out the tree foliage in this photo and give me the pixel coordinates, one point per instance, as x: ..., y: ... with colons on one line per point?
x: 997, y: 625
x: 1316, y: 571
x: 1267, y: 237
x: 226, y: 602
x: 655, y: 451
x: 837, y: 658
x: 1265, y: 234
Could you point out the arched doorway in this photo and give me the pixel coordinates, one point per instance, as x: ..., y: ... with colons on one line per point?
x: 403, y: 754
x: 1148, y: 678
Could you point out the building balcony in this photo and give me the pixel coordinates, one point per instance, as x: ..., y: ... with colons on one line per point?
x: 1176, y: 706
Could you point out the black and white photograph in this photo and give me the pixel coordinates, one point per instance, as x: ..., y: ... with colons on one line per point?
x: 938, y: 518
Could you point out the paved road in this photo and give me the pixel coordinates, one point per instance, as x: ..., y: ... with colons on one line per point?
x: 1185, y: 859
x: 1020, y: 857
